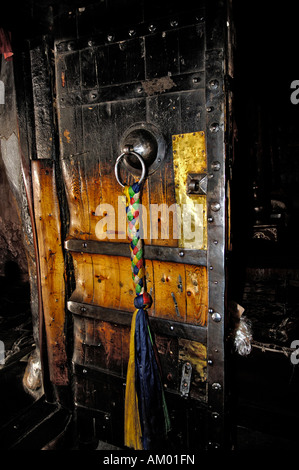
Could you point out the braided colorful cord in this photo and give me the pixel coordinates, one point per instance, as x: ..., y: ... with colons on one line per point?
x: 146, y: 415
x: 133, y: 200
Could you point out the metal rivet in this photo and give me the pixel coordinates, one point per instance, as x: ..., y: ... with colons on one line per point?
x: 215, y: 206
x: 213, y: 84
x: 216, y: 317
x: 152, y: 28
x: 93, y: 95
x: 132, y: 32
x: 210, y: 362
x: 110, y: 37
x: 211, y: 310
x: 214, y: 127
x: 71, y: 46
x: 215, y: 415
x: 216, y: 386
x: 210, y: 219
x: 84, y: 371
x: 84, y: 245
x: 214, y: 445
x: 211, y: 268
x: 215, y: 242
x: 181, y: 253
x: 195, y: 80
x: 174, y: 23
x: 209, y: 109
x: 171, y: 327
x: 216, y: 166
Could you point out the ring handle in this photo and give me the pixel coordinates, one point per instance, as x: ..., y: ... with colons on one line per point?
x: 127, y: 151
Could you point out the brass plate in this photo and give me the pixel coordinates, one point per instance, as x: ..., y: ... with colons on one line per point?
x: 189, y: 156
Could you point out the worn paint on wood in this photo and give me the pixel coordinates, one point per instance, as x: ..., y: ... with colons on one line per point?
x: 189, y: 156
x: 100, y: 343
x: 106, y: 346
x: 93, y: 193
x: 48, y: 226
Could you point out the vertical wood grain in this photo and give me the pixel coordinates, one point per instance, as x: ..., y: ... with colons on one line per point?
x: 48, y: 226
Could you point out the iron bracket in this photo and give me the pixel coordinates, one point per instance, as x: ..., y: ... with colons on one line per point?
x: 186, y: 379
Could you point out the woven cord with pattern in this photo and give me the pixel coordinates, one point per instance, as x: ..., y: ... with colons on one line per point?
x: 146, y: 417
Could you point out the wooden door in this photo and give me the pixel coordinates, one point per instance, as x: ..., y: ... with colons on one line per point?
x: 159, y: 69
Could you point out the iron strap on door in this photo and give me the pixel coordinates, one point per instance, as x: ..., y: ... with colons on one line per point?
x: 216, y: 28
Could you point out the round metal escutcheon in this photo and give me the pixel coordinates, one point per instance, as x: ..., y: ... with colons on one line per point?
x: 146, y: 140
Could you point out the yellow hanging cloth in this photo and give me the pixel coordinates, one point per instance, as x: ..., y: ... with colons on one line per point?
x: 133, y: 432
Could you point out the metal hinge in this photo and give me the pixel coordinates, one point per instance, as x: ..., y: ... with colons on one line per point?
x: 186, y: 379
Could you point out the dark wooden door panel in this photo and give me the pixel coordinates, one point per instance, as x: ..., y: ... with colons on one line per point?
x: 162, y: 68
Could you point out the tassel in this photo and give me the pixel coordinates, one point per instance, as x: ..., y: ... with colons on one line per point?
x: 146, y: 416
x: 133, y: 436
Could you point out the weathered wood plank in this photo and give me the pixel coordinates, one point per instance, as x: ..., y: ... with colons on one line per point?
x: 101, y: 344
x: 164, y: 111
x: 104, y: 346
x: 179, y: 291
x: 76, y: 193
x: 48, y: 226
